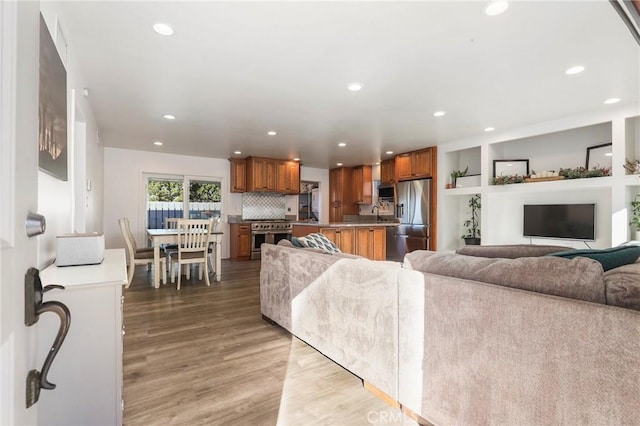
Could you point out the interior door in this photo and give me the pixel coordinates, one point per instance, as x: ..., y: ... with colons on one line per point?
x: 18, y: 196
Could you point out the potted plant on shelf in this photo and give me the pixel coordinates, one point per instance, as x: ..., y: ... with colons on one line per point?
x: 635, y: 219
x: 472, y: 225
x: 456, y: 174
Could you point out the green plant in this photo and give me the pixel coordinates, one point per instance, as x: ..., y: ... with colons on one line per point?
x: 583, y: 172
x: 472, y: 225
x: 458, y: 173
x: 635, y: 211
x: 506, y: 180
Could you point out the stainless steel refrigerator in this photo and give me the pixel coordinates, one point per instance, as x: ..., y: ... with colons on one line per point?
x: 412, y: 201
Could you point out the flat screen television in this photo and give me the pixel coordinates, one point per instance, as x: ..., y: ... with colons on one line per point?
x: 567, y: 221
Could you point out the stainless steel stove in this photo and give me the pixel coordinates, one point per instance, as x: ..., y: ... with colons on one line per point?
x: 268, y: 231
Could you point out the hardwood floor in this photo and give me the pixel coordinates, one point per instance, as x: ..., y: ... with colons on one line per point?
x: 204, y: 356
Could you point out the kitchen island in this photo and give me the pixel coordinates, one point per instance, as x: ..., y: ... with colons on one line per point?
x: 366, y: 239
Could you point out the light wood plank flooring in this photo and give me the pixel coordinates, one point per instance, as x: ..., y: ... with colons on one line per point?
x: 204, y: 356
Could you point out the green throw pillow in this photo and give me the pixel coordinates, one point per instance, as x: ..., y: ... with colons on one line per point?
x: 609, y: 258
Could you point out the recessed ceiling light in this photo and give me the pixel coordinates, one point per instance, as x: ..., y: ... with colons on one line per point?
x: 354, y: 87
x: 574, y: 70
x: 489, y: 129
x: 389, y: 152
x: 612, y: 101
x: 609, y: 154
x: 377, y: 164
x: 237, y: 152
x: 169, y: 117
x: 296, y: 159
x: 496, y: 8
x: 338, y: 164
x: 162, y: 29
x: 439, y: 113
x: 342, y: 144
x: 158, y: 143
x: 272, y: 133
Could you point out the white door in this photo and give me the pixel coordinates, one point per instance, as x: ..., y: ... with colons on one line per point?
x: 19, y: 41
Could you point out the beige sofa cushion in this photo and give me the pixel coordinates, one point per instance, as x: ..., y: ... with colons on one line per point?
x: 510, y: 251
x: 578, y: 278
x: 622, y: 286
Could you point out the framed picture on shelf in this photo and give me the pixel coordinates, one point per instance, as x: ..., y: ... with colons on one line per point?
x: 599, y: 156
x: 510, y: 167
x: 468, y: 181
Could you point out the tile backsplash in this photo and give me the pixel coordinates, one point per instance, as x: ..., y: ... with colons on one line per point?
x: 263, y: 206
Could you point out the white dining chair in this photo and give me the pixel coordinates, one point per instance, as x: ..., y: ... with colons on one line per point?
x: 170, y: 249
x: 138, y: 257
x: 193, y: 247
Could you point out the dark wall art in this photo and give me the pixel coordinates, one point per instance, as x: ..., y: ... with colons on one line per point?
x: 52, y: 135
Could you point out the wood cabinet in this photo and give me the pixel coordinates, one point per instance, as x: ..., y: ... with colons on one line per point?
x: 240, y: 241
x: 302, y: 230
x: 344, y: 238
x: 238, y: 174
x: 288, y: 177
x: 261, y: 174
x: 341, y: 194
x: 253, y: 174
x: 414, y: 165
x: 387, y: 172
x: 371, y: 242
x: 362, y: 185
x: 367, y: 241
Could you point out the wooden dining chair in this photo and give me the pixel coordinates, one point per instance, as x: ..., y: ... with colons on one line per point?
x: 193, y: 246
x: 138, y: 257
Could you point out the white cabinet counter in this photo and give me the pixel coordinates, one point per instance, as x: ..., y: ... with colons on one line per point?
x: 87, y: 371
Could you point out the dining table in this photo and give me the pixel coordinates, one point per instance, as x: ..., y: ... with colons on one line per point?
x: 158, y: 237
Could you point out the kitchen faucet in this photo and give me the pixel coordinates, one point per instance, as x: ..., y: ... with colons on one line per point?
x: 376, y: 208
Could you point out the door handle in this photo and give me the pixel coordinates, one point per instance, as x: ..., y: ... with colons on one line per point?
x: 34, y: 307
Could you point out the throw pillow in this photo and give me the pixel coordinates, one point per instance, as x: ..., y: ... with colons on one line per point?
x: 296, y: 243
x: 319, y: 241
x: 609, y: 258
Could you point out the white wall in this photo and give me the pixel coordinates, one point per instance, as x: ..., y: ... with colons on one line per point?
x: 56, y: 197
x: 124, y: 190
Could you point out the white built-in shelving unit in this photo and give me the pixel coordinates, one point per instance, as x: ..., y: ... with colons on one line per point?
x: 548, y: 146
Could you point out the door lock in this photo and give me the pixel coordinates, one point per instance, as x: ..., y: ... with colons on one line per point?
x: 34, y: 306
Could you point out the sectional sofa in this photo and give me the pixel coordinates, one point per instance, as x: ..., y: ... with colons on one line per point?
x: 535, y: 343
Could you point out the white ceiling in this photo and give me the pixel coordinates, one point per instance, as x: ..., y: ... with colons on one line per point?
x: 234, y: 70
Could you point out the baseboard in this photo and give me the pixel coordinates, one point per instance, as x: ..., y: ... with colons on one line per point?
x: 395, y: 404
x: 380, y: 394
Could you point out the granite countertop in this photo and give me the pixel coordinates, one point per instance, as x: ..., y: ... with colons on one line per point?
x: 345, y: 224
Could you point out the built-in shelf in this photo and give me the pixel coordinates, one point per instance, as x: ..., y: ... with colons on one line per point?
x: 548, y: 146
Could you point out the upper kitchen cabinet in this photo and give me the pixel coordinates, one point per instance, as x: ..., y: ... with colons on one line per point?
x: 238, y: 174
x: 362, y: 185
x: 261, y: 174
x: 387, y: 172
x: 414, y: 165
x: 254, y: 174
x: 288, y: 177
x: 340, y: 194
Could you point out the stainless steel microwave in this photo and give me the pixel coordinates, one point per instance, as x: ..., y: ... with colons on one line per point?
x: 386, y: 191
